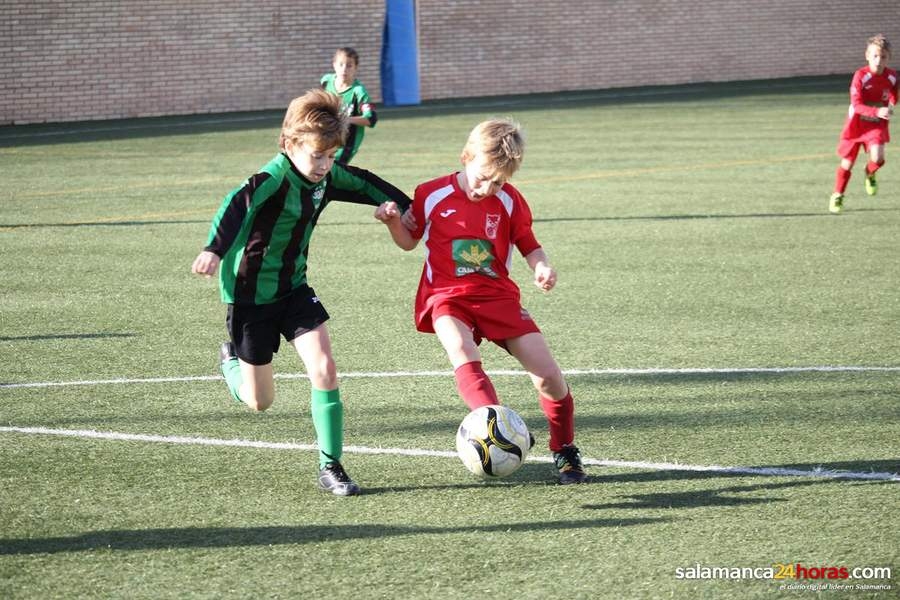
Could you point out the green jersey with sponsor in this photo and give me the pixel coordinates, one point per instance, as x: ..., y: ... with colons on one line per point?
x: 262, y: 229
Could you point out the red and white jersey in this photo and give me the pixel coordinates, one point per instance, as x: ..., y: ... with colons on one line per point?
x: 469, y: 245
x: 868, y: 93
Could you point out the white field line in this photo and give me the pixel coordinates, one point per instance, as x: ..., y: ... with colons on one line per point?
x: 387, y: 374
x: 652, y: 466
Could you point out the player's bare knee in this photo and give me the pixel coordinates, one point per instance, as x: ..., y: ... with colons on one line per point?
x: 259, y: 403
x: 327, y: 383
x: 258, y: 398
x: 324, y: 375
x: 550, y: 383
x: 460, y: 348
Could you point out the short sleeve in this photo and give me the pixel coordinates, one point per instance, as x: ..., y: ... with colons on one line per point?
x: 521, y: 233
x: 418, y: 211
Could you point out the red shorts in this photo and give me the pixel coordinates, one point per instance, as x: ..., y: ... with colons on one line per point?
x: 494, y: 319
x: 850, y: 148
x: 849, y: 144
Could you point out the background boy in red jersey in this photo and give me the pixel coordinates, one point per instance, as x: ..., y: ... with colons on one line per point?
x: 873, y: 94
x: 470, y: 221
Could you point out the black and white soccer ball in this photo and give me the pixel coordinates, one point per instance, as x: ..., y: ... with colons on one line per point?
x: 493, y: 441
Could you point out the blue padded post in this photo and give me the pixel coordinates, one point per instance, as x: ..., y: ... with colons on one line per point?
x: 400, y: 54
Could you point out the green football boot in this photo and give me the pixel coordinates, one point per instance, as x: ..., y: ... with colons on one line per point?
x: 836, y: 204
x: 871, y: 185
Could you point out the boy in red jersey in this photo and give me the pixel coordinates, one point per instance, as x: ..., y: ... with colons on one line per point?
x: 873, y: 94
x: 470, y: 222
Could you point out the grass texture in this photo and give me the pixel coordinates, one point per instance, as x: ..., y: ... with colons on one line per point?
x: 715, y: 313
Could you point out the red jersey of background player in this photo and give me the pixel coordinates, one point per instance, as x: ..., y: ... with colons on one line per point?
x: 868, y: 93
x: 468, y: 245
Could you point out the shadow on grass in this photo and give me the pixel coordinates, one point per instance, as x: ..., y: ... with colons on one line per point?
x: 725, y: 496
x: 529, y: 474
x: 731, y: 495
x: 226, y: 537
x: 64, y: 336
x: 100, y: 224
x: 890, y: 465
x: 142, y: 223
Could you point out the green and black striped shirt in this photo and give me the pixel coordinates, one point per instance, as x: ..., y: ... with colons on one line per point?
x: 262, y: 229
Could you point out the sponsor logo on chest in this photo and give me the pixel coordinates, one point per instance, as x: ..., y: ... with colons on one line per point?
x: 473, y: 256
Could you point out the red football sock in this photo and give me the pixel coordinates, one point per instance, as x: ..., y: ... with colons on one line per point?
x: 560, y: 419
x: 475, y: 386
x: 841, y: 177
x: 873, y: 166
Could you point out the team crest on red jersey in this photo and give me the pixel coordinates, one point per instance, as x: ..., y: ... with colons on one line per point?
x: 491, y: 223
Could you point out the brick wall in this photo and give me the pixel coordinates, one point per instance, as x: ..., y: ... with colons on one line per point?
x: 473, y: 47
x: 96, y: 59
x: 74, y: 60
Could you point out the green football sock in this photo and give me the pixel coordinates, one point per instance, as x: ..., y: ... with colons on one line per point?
x: 328, y: 419
x: 231, y: 369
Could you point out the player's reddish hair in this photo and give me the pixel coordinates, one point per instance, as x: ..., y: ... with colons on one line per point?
x: 315, y: 117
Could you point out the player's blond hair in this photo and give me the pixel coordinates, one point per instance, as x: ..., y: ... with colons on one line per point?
x: 879, y: 41
x: 315, y: 118
x: 501, y: 141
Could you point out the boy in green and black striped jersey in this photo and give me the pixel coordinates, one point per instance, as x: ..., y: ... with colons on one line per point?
x: 260, y: 236
x: 355, y: 98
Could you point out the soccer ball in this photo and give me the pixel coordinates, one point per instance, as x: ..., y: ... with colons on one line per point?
x: 493, y: 441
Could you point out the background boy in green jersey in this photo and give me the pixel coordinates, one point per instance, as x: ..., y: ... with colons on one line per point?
x: 260, y: 235
x: 357, y: 104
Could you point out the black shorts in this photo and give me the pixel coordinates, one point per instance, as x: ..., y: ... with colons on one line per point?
x: 255, y: 330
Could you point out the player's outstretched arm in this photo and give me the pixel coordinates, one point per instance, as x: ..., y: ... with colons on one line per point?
x: 352, y: 184
x: 389, y: 214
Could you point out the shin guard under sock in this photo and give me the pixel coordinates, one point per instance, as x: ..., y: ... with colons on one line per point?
x: 475, y: 386
x: 328, y: 420
x: 560, y: 420
x: 841, y: 178
x: 231, y: 370
x: 873, y: 166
